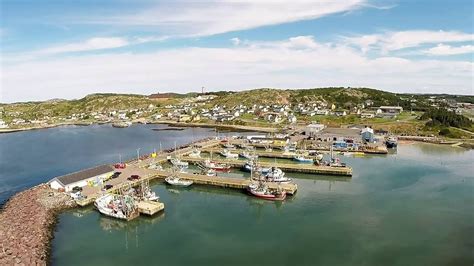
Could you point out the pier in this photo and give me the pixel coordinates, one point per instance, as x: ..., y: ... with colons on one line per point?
x: 140, y: 168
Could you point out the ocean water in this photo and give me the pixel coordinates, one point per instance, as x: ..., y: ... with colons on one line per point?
x: 32, y: 157
x: 415, y: 207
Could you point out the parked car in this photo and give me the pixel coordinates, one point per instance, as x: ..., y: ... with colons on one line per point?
x: 115, y: 175
x: 120, y: 166
x: 107, y: 187
x: 133, y: 177
x: 76, y: 189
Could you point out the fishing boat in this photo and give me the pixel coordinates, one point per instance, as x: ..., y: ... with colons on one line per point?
x: 195, y: 153
x: 261, y: 190
x: 178, y: 163
x: 208, y: 164
x: 229, y: 155
x: 174, y: 180
x: 227, y: 145
x: 277, y: 175
x: 336, y: 162
x: 249, y: 167
x: 247, y: 155
x: 209, y: 172
x: 391, y: 142
x: 117, y: 206
x: 302, y: 159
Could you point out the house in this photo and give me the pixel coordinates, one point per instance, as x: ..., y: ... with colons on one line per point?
x: 184, y: 118
x: 390, y: 110
x: 367, y: 134
x: 3, y: 124
x: 292, y: 119
x: 82, y: 178
x: 367, y: 115
x: 340, y: 113
x: 313, y: 129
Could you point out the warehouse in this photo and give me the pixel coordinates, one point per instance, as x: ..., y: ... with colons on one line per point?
x: 81, y: 178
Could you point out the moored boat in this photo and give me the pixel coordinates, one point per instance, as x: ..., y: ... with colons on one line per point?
x: 117, y: 206
x: 391, y: 142
x: 262, y: 191
x: 178, y: 163
x: 208, y: 164
x: 177, y: 181
x: 276, y: 175
x: 302, y: 159
x: 229, y: 155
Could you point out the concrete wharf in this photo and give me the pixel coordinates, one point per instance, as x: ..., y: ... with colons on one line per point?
x: 289, y: 167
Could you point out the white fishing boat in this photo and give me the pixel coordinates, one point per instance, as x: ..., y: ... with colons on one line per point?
x: 117, y: 206
x: 177, y: 181
x: 210, y: 172
x: 249, y: 167
x: 229, y: 155
x: 227, y: 145
x: 277, y: 175
x: 208, y: 164
x: 195, y: 153
x: 302, y: 159
x: 249, y: 156
x: 178, y: 163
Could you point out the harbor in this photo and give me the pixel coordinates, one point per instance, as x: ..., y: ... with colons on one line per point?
x: 322, y: 205
x: 113, y: 188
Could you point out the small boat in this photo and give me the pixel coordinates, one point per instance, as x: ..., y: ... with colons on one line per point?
x: 178, y: 163
x: 210, y: 172
x: 302, y: 159
x: 208, y: 164
x: 177, y: 181
x: 391, y: 142
x: 227, y: 145
x: 195, y: 153
x: 247, y: 155
x: 117, y: 206
x: 336, y: 162
x: 227, y: 154
x: 248, y: 167
x: 261, y: 190
x: 277, y: 175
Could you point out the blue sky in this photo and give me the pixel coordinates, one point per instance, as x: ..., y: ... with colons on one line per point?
x: 67, y: 49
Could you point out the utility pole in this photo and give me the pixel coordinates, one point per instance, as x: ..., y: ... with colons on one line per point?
x: 138, y: 154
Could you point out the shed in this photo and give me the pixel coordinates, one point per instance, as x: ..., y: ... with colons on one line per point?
x: 81, y: 178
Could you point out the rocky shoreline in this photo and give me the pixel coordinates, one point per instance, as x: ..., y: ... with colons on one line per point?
x: 26, y: 225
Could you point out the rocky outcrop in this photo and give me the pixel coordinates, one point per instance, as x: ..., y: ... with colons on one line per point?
x: 26, y: 224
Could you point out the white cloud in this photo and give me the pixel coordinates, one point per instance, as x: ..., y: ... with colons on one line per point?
x: 296, y: 62
x: 392, y: 41
x: 97, y: 43
x: 196, y: 18
x: 442, y: 49
x: 235, y: 41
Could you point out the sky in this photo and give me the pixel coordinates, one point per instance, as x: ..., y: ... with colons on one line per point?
x: 68, y: 49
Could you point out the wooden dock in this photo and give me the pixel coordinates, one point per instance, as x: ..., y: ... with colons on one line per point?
x: 295, y: 168
x: 150, y: 207
x: 228, y: 182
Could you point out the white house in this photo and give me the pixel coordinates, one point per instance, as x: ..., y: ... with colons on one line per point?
x: 313, y: 129
x: 81, y: 178
x: 3, y: 124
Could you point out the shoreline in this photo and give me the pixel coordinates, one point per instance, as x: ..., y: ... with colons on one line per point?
x: 27, y: 223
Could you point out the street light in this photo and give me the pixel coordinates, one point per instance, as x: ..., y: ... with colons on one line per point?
x: 138, y: 154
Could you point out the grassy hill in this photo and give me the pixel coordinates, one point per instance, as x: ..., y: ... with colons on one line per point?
x: 342, y: 97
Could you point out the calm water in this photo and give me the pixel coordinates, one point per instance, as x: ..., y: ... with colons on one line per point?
x: 412, y: 208
x: 32, y: 157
